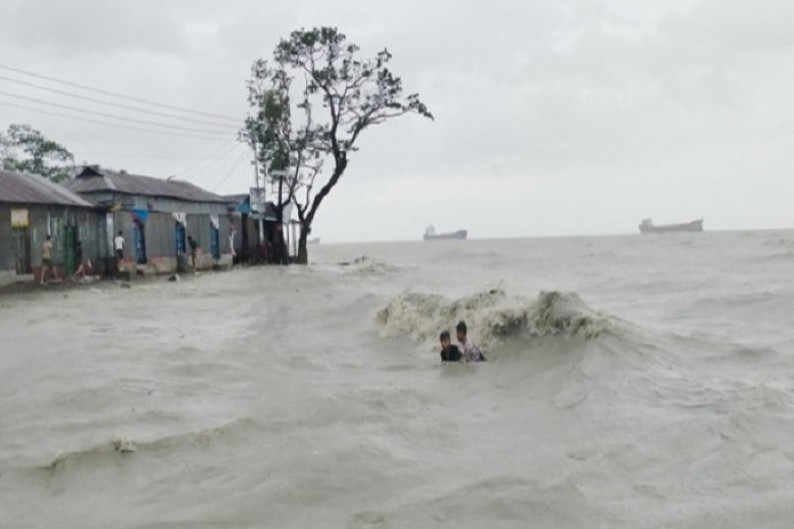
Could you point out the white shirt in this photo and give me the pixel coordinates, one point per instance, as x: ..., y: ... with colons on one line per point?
x: 471, y: 353
x: 118, y: 242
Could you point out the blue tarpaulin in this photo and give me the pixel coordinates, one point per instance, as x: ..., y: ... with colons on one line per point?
x: 141, y: 215
x: 245, y: 206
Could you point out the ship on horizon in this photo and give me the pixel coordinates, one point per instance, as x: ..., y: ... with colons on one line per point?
x: 431, y: 235
x: 647, y: 226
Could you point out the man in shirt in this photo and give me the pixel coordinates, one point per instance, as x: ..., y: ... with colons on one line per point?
x: 231, y: 242
x: 118, y: 245
x: 193, y: 249
x: 46, y: 258
x: 471, y: 353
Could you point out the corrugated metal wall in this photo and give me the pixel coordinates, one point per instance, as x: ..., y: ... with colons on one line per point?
x: 160, y: 227
x: 52, y: 220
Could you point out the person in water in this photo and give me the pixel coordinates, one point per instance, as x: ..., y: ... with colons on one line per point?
x: 449, y: 352
x: 471, y: 353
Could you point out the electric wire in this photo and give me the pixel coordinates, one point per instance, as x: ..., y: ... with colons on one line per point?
x: 216, y: 165
x: 240, y: 160
x: 171, y: 129
x: 117, y: 105
x: 115, y: 94
x: 211, y: 159
x: 109, y: 124
x: 113, y: 116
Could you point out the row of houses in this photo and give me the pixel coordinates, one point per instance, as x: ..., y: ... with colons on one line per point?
x: 155, y: 217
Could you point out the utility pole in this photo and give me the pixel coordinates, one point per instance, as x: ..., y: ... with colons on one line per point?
x: 260, y: 192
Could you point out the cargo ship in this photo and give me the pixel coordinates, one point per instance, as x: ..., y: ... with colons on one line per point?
x: 431, y: 235
x: 647, y: 226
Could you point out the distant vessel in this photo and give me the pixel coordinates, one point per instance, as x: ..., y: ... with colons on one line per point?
x: 431, y: 235
x: 315, y: 240
x: 647, y: 226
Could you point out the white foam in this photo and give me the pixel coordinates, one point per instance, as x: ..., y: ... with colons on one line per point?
x: 491, y: 316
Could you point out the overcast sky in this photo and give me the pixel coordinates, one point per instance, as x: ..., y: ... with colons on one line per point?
x: 553, y: 117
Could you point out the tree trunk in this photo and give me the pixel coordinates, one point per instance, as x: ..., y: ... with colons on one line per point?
x: 303, y: 251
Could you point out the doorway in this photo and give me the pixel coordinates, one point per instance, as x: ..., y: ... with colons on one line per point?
x: 215, y: 242
x: 181, y: 245
x: 21, y: 245
x: 139, y: 233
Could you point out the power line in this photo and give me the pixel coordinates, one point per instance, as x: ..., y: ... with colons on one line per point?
x: 115, y: 94
x: 138, y: 156
x: 211, y: 158
x: 113, y: 116
x: 240, y: 160
x: 106, y: 123
x: 213, y: 164
x: 108, y: 103
x: 216, y: 164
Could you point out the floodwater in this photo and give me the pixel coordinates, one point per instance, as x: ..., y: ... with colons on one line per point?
x: 637, y: 381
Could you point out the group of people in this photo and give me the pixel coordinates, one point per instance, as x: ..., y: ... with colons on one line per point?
x: 47, y: 266
x: 452, y: 353
x: 119, y: 242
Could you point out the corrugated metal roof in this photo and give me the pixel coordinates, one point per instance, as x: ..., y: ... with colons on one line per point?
x: 236, y: 199
x: 99, y: 180
x: 242, y: 204
x: 21, y: 188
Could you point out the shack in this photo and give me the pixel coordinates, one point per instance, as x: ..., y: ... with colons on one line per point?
x: 249, y: 222
x: 156, y: 216
x: 32, y: 207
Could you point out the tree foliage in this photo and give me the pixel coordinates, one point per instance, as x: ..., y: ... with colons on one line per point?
x: 24, y: 149
x: 270, y: 133
x: 312, y: 102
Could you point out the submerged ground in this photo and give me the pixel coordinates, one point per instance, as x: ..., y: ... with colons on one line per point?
x: 649, y: 385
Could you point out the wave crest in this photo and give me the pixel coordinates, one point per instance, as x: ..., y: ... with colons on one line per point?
x: 368, y: 266
x: 492, y: 316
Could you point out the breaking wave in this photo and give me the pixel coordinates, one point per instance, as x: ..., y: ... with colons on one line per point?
x: 494, y: 317
x: 368, y: 266
x: 121, y: 445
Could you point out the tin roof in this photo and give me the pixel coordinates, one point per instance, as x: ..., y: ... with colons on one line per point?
x: 98, y: 180
x: 241, y: 203
x: 236, y: 199
x: 23, y: 188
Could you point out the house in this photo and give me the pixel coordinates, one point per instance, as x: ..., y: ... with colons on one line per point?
x: 32, y: 207
x: 249, y: 221
x: 246, y: 227
x: 156, y: 216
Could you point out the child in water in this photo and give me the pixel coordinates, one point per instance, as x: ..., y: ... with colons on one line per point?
x: 449, y: 352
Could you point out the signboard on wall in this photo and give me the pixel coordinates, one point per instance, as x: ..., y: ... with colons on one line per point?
x: 19, y: 218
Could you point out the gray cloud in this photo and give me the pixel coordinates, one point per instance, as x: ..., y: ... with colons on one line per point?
x: 91, y: 27
x: 552, y: 117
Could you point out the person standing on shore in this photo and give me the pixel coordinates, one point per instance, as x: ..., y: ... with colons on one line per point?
x: 46, y: 258
x: 118, y: 245
x: 193, y: 249
x: 78, y: 259
x: 231, y: 242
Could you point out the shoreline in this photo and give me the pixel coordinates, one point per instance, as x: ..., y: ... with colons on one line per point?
x: 21, y: 288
